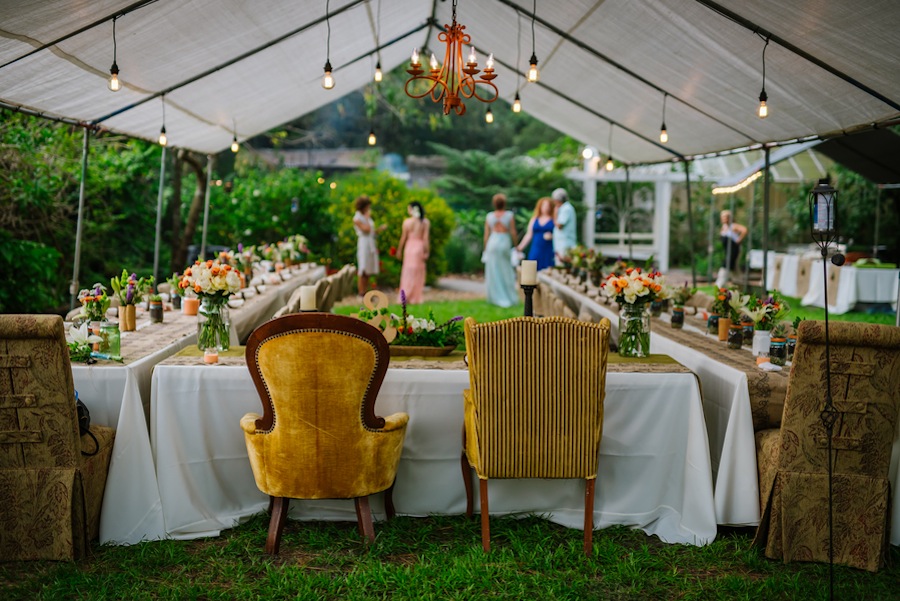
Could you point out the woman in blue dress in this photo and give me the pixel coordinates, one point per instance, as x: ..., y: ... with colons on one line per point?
x: 499, y: 237
x: 540, y: 234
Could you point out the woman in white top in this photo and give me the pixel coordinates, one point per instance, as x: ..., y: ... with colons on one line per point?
x: 732, y: 234
x: 366, y: 247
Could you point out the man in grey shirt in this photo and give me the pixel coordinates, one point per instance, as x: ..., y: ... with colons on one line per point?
x: 566, y: 235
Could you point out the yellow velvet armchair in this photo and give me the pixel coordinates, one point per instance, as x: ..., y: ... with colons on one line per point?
x: 793, y: 460
x: 50, y: 492
x: 534, y: 408
x: 317, y: 376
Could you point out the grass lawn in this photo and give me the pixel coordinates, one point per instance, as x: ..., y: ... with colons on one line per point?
x: 438, y: 558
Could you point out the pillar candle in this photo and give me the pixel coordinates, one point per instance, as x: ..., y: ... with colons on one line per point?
x: 529, y: 273
x: 307, y: 298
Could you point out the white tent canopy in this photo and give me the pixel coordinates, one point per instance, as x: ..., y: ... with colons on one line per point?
x: 831, y: 65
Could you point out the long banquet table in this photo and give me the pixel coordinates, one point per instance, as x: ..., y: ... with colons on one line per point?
x: 726, y: 405
x: 654, y: 456
x: 118, y: 395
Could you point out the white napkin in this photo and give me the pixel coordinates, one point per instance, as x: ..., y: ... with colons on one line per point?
x: 769, y: 366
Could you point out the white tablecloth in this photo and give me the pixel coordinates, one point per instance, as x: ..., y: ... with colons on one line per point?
x: 855, y: 285
x: 654, y: 458
x: 119, y: 396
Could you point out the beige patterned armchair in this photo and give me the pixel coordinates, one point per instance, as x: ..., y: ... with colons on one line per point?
x: 534, y: 408
x: 317, y: 376
x: 50, y: 493
x: 793, y: 462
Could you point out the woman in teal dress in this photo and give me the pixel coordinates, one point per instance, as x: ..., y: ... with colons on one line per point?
x: 499, y: 237
x: 540, y: 234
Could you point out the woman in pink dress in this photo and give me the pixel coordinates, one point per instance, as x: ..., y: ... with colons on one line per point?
x: 413, y: 250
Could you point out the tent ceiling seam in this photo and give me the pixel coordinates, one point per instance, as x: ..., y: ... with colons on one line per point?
x: 228, y: 63
x: 587, y: 48
x: 578, y: 24
x: 101, y: 21
x: 750, y: 25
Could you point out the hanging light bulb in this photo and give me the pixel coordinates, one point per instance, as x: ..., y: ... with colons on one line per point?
x: 533, y: 74
x: 114, y: 85
x: 609, y: 163
x: 234, y: 145
x: 328, y: 78
x: 588, y: 153
x: 489, y: 116
x: 663, y: 133
x: 163, y: 139
x: 609, y: 159
x: 517, y: 104
x: 372, y: 139
x: 378, y: 74
x: 763, y: 110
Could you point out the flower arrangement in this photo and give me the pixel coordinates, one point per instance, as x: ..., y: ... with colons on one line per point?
x: 174, y: 281
x: 720, y: 302
x: 682, y: 294
x: 767, y: 313
x: 80, y: 343
x: 737, y: 306
x: 94, y: 303
x: 636, y: 287
x: 414, y: 331
x: 211, y: 279
x: 129, y: 288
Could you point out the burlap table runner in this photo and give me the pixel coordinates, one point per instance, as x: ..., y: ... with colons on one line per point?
x: 455, y: 360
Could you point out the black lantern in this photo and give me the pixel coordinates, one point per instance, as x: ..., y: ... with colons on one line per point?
x: 823, y: 222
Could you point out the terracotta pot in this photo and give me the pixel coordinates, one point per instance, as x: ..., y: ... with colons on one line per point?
x: 724, y: 324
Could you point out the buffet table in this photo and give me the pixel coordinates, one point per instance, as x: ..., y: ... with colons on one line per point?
x: 118, y: 395
x: 728, y: 411
x: 803, y: 277
x: 654, y: 456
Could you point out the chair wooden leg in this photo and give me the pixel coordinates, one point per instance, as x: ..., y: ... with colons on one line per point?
x: 485, y: 517
x: 364, y: 519
x: 589, y: 515
x: 276, y: 523
x: 389, y: 510
x: 467, y: 476
x: 271, y: 504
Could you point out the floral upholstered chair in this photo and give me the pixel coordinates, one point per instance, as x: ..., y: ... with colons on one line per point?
x: 793, y: 460
x: 534, y: 408
x: 317, y: 376
x: 50, y: 491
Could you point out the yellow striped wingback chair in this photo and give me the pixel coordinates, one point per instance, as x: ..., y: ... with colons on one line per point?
x: 793, y: 460
x: 317, y: 376
x: 50, y: 491
x: 534, y: 408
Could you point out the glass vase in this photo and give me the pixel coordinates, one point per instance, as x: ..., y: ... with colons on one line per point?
x: 634, y: 330
x: 791, y: 345
x: 213, y: 324
x: 656, y: 308
x: 748, y: 333
x: 678, y: 317
x: 735, y: 336
x: 712, y: 324
x: 761, y: 343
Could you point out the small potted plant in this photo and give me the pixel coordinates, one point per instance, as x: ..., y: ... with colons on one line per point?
x: 177, y: 291
x: 156, y: 308
x: 778, y: 344
x: 130, y: 290
x: 737, y: 306
x: 679, y: 297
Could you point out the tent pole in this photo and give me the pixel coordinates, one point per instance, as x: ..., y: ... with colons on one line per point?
x: 687, y: 178
x: 767, y: 185
x: 210, y: 161
x: 710, y: 248
x: 73, y: 286
x: 629, y: 213
x: 877, y: 220
x: 749, y: 244
x: 159, y: 211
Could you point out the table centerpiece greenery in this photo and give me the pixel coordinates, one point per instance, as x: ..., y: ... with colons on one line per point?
x: 634, y: 291
x: 213, y: 282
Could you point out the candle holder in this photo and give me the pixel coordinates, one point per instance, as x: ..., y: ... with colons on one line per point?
x: 529, y: 302
x: 309, y: 310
